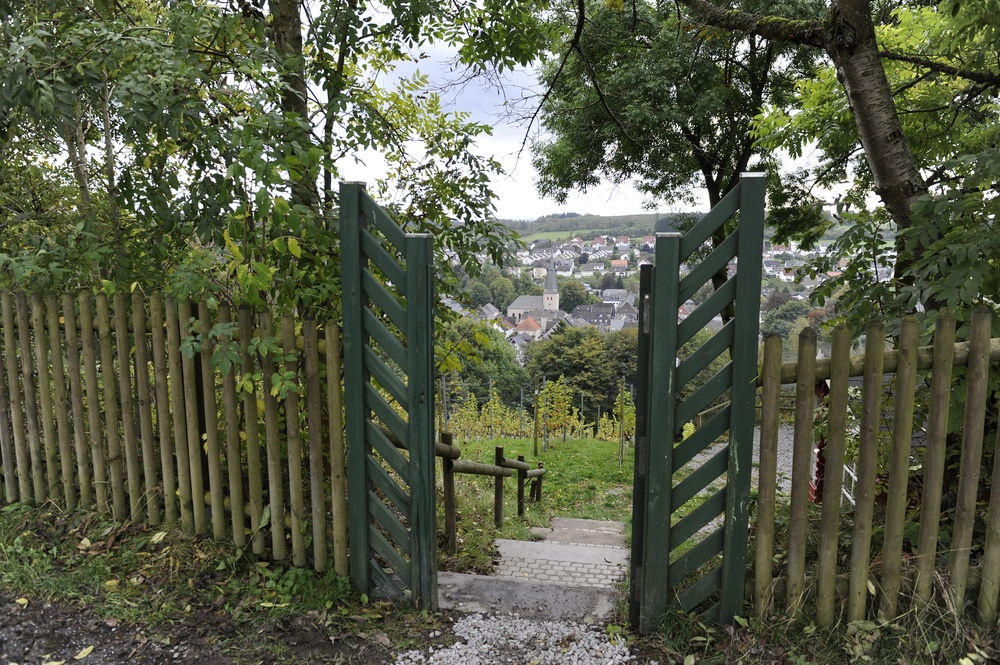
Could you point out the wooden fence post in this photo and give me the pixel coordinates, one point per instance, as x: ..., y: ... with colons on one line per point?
x: 899, y: 467
x: 977, y: 381
x: 768, y: 474
x: 867, y: 468
x: 448, y: 483
x: 521, y: 477
x: 805, y: 408
x: 498, y: 490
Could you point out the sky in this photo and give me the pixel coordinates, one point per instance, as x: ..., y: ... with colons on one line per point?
x: 491, y: 103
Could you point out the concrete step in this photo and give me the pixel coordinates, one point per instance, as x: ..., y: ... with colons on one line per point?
x: 527, y: 598
x: 583, y: 532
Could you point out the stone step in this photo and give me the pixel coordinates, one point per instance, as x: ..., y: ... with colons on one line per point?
x: 527, y: 598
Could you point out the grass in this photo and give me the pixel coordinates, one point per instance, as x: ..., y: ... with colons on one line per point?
x: 583, y: 479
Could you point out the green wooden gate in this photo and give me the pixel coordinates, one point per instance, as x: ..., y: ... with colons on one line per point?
x: 389, y: 400
x: 696, y: 562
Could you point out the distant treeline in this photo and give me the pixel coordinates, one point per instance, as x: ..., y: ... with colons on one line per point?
x: 631, y: 225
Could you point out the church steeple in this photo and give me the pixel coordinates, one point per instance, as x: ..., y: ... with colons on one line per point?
x: 550, y: 297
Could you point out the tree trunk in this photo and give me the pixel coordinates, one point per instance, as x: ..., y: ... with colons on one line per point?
x: 852, y: 46
x: 286, y: 36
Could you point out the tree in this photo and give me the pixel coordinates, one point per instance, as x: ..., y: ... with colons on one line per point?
x: 646, y: 95
x: 211, y: 130
x: 482, y: 359
x: 953, y: 51
x: 572, y: 293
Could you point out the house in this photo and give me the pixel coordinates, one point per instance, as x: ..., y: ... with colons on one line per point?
x: 615, y: 296
x: 596, y: 315
x: 528, y: 328
x: 488, y: 312
x: 619, y: 265
x: 547, y: 302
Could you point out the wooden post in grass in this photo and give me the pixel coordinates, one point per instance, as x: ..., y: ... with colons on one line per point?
x: 178, y: 413
x: 16, y: 403
x: 498, y: 490
x: 143, y: 396
x: 130, y: 442
x: 867, y: 468
x: 30, y: 403
x: 768, y: 474
x: 115, y: 458
x: 41, y: 348
x: 805, y: 408
x: 835, y: 443
x: 75, y: 372
x: 521, y: 477
x: 973, y: 430
x: 61, y: 402
x: 899, y: 468
x: 934, y: 455
x: 448, y: 484
x: 338, y: 470
x: 234, y: 458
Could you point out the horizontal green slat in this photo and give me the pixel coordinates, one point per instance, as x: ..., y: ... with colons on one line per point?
x: 703, y: 437
x: 715, y: 261
x: 385, y: 261
x: 385, y: 518
x: 696, y: 557
x: 386, y: 379
x: 716, y: 217
x: 389, y: 452
x: 700, y: 478
x: 380, y: 219
x: 383, y: 547
x: 705, y: 354
x: 386, y: 301
x: 702, y: 397
x: 706, y: 311
x: 388, y: 342
x: 382, y: 480
x: 703, y: 588
x: 696, y: 520
x: 386, y: 414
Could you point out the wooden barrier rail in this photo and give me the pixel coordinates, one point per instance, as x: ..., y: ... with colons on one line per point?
x: 503, y: 467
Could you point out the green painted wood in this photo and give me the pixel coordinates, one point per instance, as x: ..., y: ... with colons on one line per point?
x: 697, y: 556
x: 702, y: 438
x: 381, y: 479
x: 385, y: 300
x: 662, y: 429
x: 706, y: 353
x: 386, y: 342
x: 707, y: 311
x: 698, y: 518
x: 640, y: 464
x: 388, y: 357
x: 397, y: 564
x: 385, y: 261
x: 661, y: 413
x: 700, y: 590
x: 379, y: 443
x: 387, y: 380
x: 386, y: 414
x: 716, y: 260
x: 388, y: 521
x: 698, y: 234
x: 379, y: 219
x: 420, y: 300
x: 706, y: 474
x: 705, y: 394
x: 354, y: 376
x: 744, y: 391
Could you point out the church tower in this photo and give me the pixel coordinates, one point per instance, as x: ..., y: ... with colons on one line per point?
x: 550, y: 297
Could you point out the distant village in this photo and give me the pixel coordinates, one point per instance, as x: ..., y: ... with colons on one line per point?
x: 533, y: 317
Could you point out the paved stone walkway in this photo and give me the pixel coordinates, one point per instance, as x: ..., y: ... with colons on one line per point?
x: 576, y: 553
x: 573, y: 573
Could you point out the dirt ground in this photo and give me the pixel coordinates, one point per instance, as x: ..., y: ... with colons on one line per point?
x: 50, y: 633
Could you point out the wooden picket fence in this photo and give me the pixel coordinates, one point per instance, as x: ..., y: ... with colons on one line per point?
x: 157, y: 411
x: 846, y: 568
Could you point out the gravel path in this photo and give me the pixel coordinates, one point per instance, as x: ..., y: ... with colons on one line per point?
x: 498, y: 639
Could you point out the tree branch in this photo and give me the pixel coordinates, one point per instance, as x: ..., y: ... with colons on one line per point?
x: 796, y: 31
x: 987, y: 78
